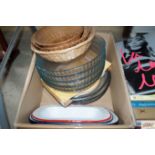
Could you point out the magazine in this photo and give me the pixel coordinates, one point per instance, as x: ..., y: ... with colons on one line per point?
x: 137, y: 55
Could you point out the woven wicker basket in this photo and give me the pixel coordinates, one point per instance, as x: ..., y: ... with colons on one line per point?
x: 56, y: 35
x: 66, y: 44
x: 66, y: 54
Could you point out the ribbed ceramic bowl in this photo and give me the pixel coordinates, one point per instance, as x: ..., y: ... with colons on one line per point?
x: 74, y: 76
x: 67, y: 52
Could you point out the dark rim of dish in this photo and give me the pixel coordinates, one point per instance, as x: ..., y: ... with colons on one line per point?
x: 97, y: 93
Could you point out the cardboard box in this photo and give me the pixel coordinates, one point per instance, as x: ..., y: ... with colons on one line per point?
x: 116, y: 97
x: 144, y: 113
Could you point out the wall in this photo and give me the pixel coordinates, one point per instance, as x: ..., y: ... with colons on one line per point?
x: 116, y: 30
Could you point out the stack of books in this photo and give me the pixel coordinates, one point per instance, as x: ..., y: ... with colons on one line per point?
x: 137, y: 55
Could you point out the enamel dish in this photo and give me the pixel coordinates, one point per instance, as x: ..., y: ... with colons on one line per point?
x: 77, y: 114
x: 114, y: 119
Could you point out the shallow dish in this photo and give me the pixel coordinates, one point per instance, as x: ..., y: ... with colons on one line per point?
x: 78, y: 114
x: 114, y: 120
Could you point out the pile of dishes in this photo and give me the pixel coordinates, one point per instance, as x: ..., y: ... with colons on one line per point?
x: 60, y: 115
x: 76, y: 74
x: 71, y: 64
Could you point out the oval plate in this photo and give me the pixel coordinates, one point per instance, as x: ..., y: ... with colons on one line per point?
x: 77, y: 114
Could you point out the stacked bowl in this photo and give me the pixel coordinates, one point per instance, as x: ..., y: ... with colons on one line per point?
x: 62, y: 44
x: 69, y: 58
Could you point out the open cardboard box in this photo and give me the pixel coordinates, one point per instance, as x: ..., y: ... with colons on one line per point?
x: 116, y: 98
x: 144, y: 113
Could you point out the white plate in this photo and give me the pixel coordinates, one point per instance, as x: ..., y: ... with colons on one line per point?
x: 80, y: 114
x: 113, y: 121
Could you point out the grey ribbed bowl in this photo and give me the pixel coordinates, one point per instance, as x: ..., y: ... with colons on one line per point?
x: 74, y: 78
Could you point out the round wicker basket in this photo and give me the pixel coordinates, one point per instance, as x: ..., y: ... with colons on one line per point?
x: 56, y: 35
x: 72, y: 42
x: 67, y: 54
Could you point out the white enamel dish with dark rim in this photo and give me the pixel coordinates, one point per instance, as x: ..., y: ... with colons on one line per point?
x: 114, y: 120
x: 77, y: 114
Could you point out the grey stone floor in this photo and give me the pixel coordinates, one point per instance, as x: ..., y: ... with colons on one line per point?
x: 14, y: 81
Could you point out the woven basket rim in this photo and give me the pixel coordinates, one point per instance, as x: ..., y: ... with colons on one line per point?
x: 82, y: 38
x: 91, y: 36
x: 47, y: 44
